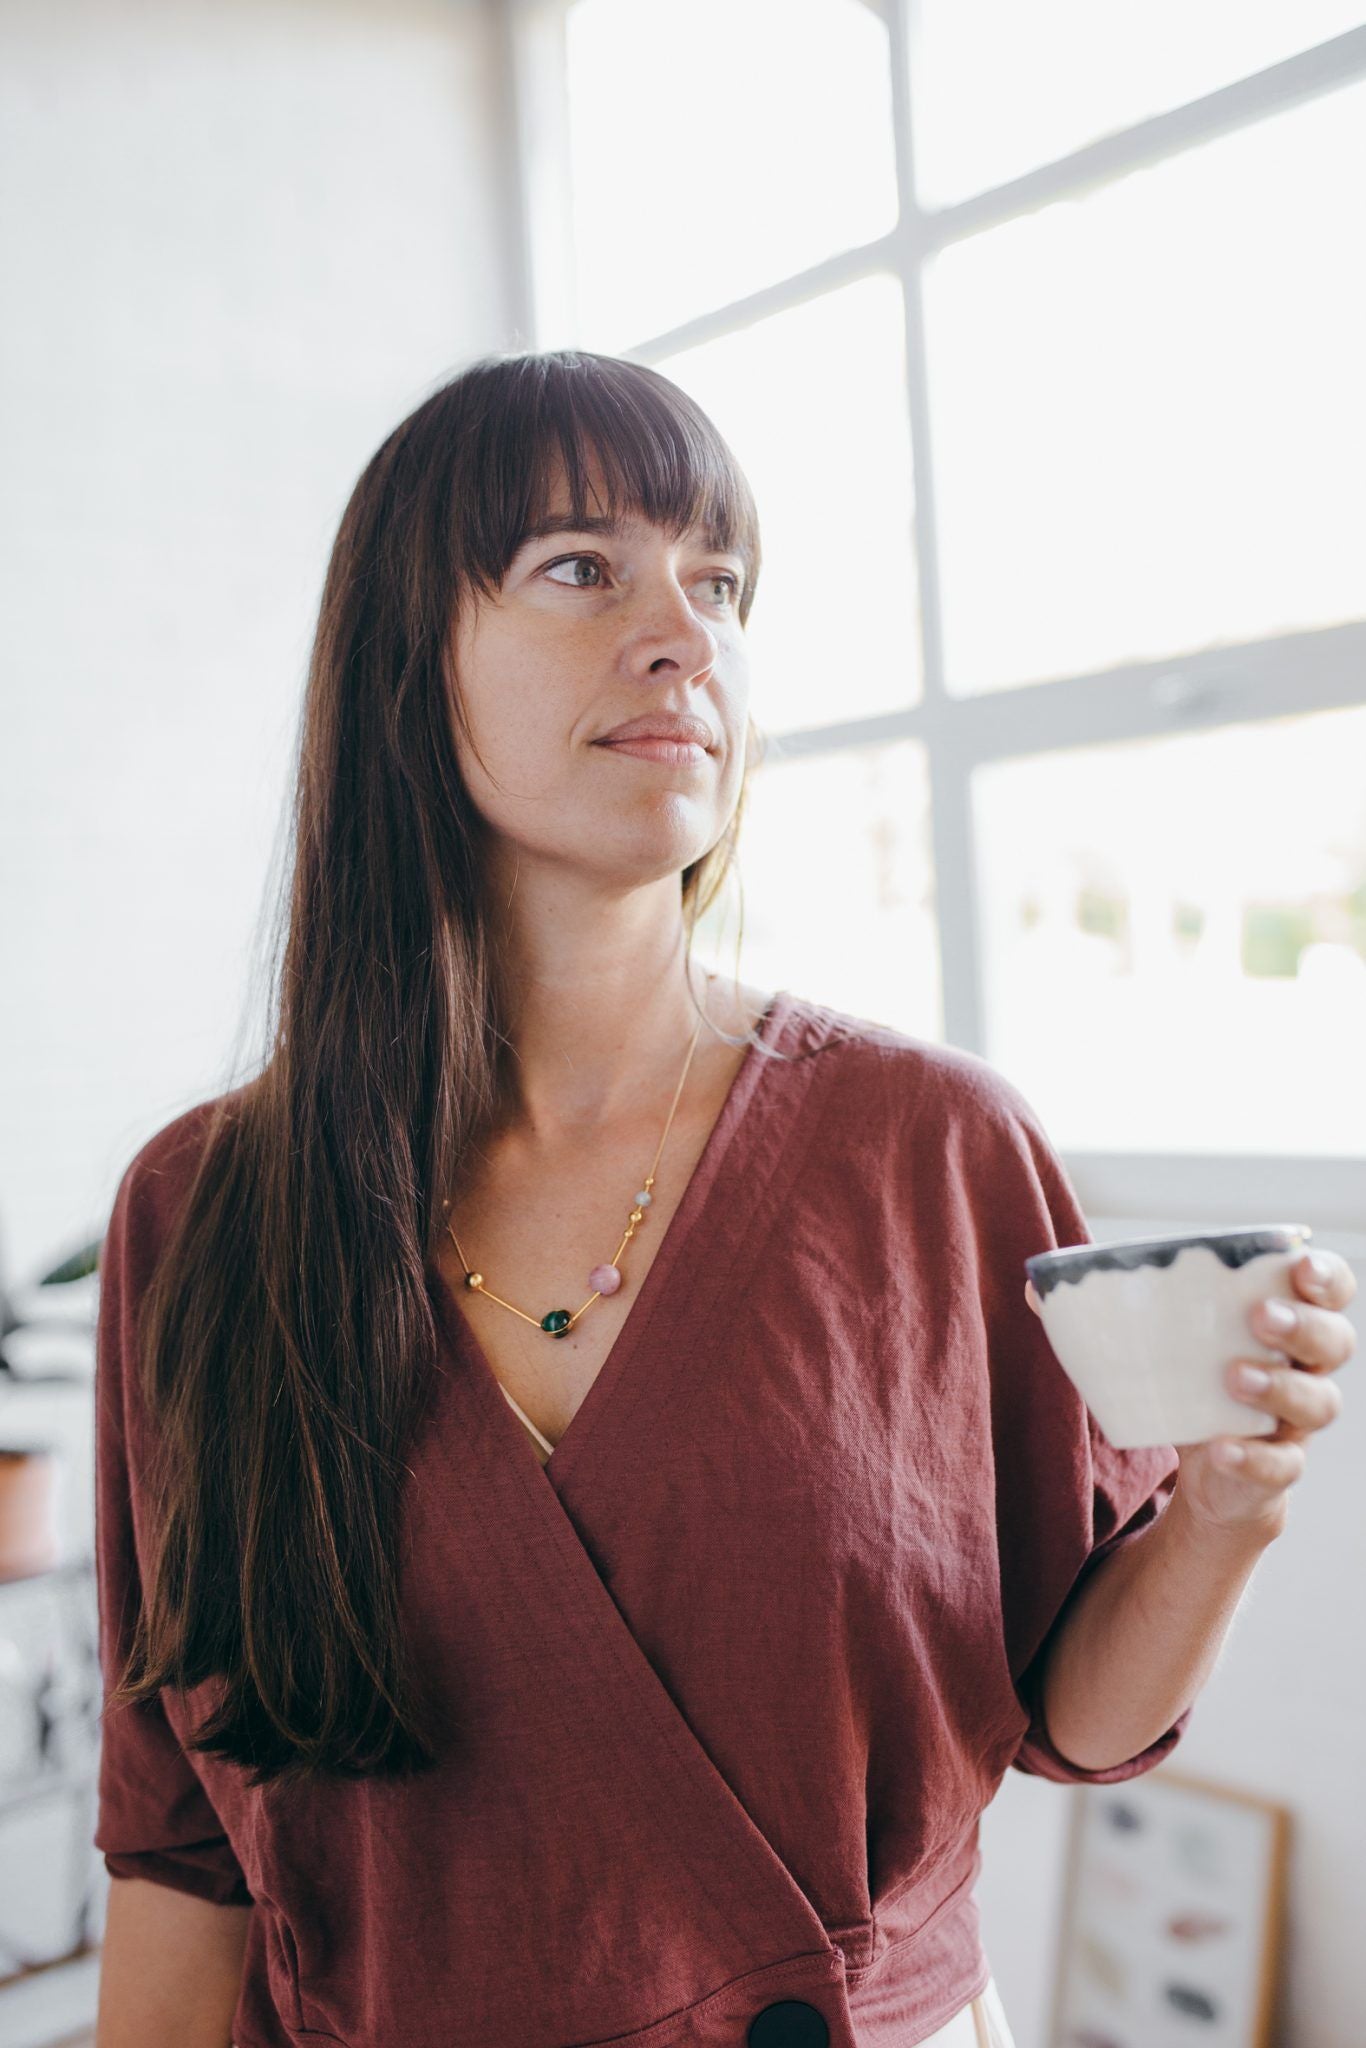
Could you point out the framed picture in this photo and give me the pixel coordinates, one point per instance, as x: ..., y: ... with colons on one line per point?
x: 1172, y: 1916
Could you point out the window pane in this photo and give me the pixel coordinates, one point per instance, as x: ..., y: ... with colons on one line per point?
x: 717, y: 147
x: 813, y: 402
x: 1149, y: 412
x: 999, y: 89
x: 838, y: 896
x: 1175, y: 937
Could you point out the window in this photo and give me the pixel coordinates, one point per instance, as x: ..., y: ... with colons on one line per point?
x: 1038, y: 334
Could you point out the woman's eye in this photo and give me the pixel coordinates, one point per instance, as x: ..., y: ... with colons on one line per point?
x: 568, y: 561
x: 595, y: 562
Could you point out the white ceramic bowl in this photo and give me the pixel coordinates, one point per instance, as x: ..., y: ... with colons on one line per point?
x: 1146, y: 1328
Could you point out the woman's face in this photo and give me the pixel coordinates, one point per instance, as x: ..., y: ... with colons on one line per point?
x: 592, y: 628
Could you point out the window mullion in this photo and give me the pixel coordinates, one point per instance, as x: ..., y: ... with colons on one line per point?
x: 952, y: 864
x: 1290, y: 676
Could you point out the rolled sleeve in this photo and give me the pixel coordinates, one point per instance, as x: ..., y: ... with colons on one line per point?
x: 1066, y: 1497
x: 154, y: 1817
x: 1037, y: 1756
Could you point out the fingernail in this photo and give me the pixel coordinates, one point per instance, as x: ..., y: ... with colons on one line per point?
x: 1253, y: 1380
x: 1229, y: 1454
x: 1277, y: 1316
x: 1318, y: 1270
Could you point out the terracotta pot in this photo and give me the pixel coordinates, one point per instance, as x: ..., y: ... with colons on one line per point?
x: 28, y: 1502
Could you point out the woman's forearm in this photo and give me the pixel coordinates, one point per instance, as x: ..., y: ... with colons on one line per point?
x: 1143, y: 1636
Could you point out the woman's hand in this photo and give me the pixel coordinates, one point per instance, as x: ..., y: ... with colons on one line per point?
x: 1243, y: 1483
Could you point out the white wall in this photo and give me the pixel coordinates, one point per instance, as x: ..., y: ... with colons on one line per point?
x: 239, y: 243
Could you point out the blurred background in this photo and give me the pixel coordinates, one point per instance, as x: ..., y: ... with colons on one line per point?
x: 1040, y: 333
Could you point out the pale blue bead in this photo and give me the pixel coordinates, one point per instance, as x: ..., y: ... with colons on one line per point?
x: 642, y: 1200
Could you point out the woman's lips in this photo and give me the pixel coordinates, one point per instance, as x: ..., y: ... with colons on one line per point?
x: 657, y: 750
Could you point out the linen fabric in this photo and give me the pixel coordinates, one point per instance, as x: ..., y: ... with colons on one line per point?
x: 726, y: 1684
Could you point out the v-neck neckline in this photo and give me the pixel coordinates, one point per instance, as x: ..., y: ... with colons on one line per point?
x: 588, y: 1416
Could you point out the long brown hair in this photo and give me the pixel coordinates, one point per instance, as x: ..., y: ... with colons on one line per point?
x: 287, y: 1333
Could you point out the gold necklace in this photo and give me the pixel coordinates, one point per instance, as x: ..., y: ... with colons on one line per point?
x: 604, y: 1279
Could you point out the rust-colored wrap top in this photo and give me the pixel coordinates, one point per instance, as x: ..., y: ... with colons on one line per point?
x: 730, y: 1679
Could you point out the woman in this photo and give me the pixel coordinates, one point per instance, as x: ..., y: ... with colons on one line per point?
x: 581, y: 1497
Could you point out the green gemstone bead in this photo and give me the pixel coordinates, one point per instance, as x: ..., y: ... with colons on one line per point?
x: 556, y: 1322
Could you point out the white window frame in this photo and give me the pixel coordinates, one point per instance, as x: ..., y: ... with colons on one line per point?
x: 1226, y: 687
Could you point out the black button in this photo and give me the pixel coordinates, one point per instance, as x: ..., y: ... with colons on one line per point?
x: 791, y: 2023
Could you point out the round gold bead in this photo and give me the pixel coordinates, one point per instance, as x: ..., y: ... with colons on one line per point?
x: 474, y: 1279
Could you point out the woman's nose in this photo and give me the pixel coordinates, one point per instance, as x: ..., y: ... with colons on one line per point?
x: 669, y: 617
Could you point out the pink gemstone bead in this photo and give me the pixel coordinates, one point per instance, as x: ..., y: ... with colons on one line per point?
x: 604, y: 1279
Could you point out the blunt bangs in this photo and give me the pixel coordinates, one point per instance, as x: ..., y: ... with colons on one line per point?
x: 563, y: 412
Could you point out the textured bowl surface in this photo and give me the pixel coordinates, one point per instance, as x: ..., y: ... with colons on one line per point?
x: 1146, y: 1328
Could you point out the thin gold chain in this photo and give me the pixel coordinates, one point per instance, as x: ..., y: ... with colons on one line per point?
x: 475, y: 1281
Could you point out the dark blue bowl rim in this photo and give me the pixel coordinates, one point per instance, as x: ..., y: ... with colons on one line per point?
x: 1249, y: 1240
